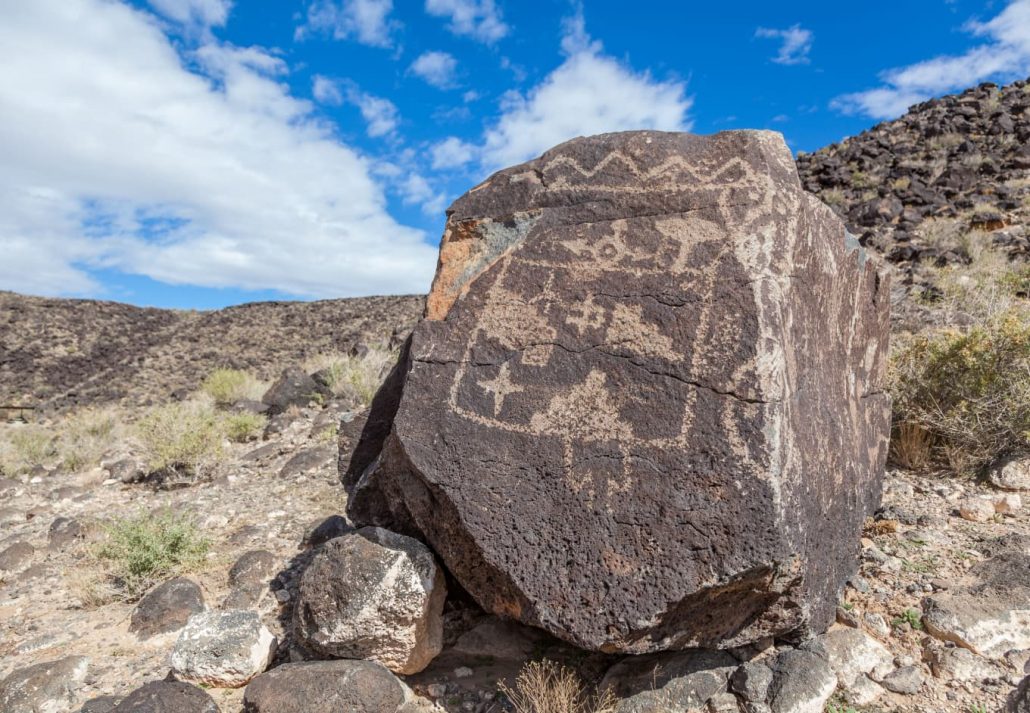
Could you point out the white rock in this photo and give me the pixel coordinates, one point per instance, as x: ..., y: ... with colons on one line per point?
x: 976, y: 509
x: 852, y: 654
x: 373, y: 594
x: 1013, y: 474
x: 864, y: 691
x: 1008, y: 503
x: 222, y: 648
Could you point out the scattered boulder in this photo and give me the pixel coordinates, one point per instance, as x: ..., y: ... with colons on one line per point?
x: 990, y: 615
x: 309, y: 460
x: 127, y: 470
x: 802, y: 682
x: 253, y: 568
x: 324, y: 530
x: 608, y: 372
x: 64, y: 533
x: 1019, y: 700
x: 47, y: 686
x: 222, y: 648
x: 976, y: 509
x: 293, y: 388
x: 100, y: 704
x: 373, y: 594
x: 906, y: 680
x: 167, y: 697
x: 751, y: 682
x: 327, y: 687
x: 683, y: 680
x: 167, y: 607
x: 852, y: 654
x: 1011, y: 474
x: 16, y: 556
x: 250, y: 406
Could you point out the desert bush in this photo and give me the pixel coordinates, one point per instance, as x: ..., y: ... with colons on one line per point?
x: 23, y: 447
x: 962, y: 397
x: 243, y: 427
x: 979, y: 292
x: 832, y: 196
x: 547, y: 687
x: 227, y: 386
x: 357, y: 376
x: 143, y: 549
x: 86, y: 435
x: 183, y: 437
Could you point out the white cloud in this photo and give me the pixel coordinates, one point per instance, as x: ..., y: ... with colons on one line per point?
x: 368, y: 21
x: 589, y: 93
x: 116, y: 156
x: 325, y: 91
x: 796, y: 43
x: 478, y: 19
x: 436, y: 68
x: 452, y: 152
x: 380, y: 114
x: 206, y: 13
x: 1004, y: 55
x: 415, y: 189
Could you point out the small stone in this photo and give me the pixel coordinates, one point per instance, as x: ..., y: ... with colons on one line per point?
x: 126, y: 470
x: 437, y: 690
x: 1012, y: 474
x: 16, y: 556
x: 100, y: 704
x: 167, y: 697
x: 877, y: 624
x: 48, y: 686
x: 848, y: 617
x: 10, y: 516
x: 683, y: 679
x: 864, y: 691
x: 167, y: 607
x: 723, y: 703
x: 1019, y: 700
x: 324, y: 530
x: 976, y: 509
x: 1008, y: 503
x: 65, y: 532
x: 308, y: 461
x: 253, y: 568
x: 222, y: 648
x: 463, y: 672
x: 343, y: 686
x: 851, y: 653
x: 293, y: 388
x: 752, y: 681
x: 373, y: 594
x: 498, y: 639
x: 906, y: 680
x: 802, y: 682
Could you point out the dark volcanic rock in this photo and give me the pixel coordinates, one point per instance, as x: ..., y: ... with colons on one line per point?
x: 326, y: 687
x: 167, y: 697
x: 166, y: 607
x: 293, y: 388
x: 47, y: 686
x: 644, y: 410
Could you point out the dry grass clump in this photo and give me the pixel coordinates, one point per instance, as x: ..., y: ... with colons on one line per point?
x: 355, y: 376
x: 227, y: 386
x: 23, y: 447
x: 184, y: 437
x: 548, y: 687
x: 86, y: 435
x: 138, y: 552
x: 244, y: 427
x: 962, y: 396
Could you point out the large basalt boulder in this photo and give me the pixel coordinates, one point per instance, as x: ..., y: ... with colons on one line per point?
x: 644, y: 409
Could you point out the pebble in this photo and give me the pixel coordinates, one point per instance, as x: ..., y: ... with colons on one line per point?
x: 462, y: 672
x: 976, y: 509
x: 1008, y: 503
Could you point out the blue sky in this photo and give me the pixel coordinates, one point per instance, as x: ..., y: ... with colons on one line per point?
x: 199, y: 153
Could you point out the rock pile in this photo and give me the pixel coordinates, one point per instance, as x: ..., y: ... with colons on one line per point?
x: 644, y: 410
x: 964, y: 157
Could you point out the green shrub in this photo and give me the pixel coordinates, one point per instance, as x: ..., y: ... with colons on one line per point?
x: 184, y: 437
x: 227, y: 386
x: 968, y: 392
x: 243, y: 427
x: 143, y: 549
x: 22, y: 448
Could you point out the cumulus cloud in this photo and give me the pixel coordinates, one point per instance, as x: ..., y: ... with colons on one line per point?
x: 367, y: 21
x: 478, y: 19
x: 116, y: 156
x: 1004, y: 55
x: 206, y: 13
x: 589, y: 93
x: 452, y: 152
x: 436, y: 68
x: 380, y: 114
x: 326, y: 91
x: 796, y: 43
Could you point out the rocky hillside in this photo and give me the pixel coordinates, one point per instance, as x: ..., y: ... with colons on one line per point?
x: 938, y: 183
x: 56, y: 353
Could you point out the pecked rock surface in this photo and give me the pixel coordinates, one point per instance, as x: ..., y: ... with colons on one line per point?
x: 643, y: 410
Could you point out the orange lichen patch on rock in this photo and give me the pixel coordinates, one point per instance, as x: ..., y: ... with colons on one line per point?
x: 456, y: 250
